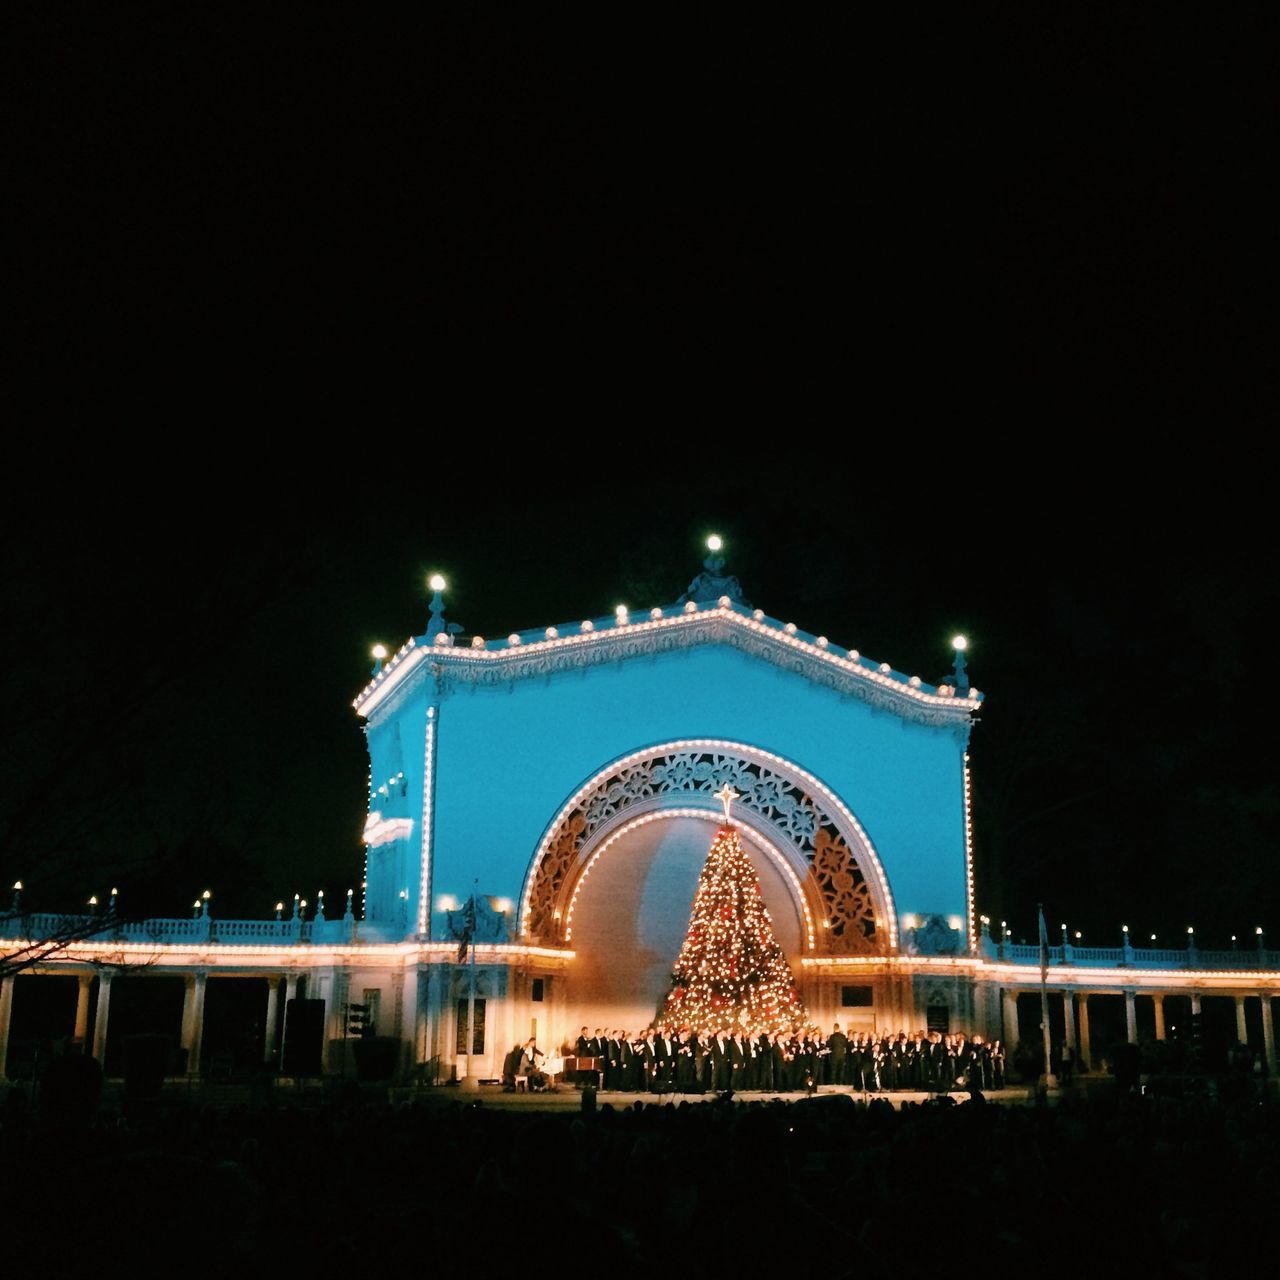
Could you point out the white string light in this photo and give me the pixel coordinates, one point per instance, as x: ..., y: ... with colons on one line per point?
x: 428, y: 784
x: 869, y: 863
x: 410, y: 655
x: 661, y: 815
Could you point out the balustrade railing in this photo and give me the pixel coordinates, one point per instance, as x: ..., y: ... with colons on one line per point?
x: 37, y: 925
x: 53, y: 928
x: 1144, y: 957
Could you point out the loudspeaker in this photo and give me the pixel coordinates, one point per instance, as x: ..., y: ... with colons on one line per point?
x: 303, y: 1037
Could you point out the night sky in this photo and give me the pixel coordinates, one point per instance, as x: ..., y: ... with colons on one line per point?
x: 944, y: 331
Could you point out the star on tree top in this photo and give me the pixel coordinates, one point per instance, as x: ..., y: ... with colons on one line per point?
x: 726, y: 795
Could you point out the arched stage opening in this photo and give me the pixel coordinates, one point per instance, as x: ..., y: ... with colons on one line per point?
x: 631, y: 910
x: 614, y: 875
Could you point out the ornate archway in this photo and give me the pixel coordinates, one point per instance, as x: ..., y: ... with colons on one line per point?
x: 838, y: 871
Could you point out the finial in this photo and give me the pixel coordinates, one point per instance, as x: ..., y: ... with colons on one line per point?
x: 960, y: 644
x: 726, y: 795
x: 437, y: 624
x: 712, y: 584
x: 714, y: 561
x: 279, y: 910
x: 15, y: 903
x: 379, y: 655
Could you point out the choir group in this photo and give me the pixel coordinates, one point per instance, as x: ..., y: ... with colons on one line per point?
x: 669, y: 1060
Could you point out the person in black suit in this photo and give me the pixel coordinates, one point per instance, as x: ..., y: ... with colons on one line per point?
x: 890, y: 1054
x: 641, y: 1057
x: 648, y: 1062
x: 764, y: 1062
x: 625, y: 1053
x: 931, y: 1062
x: 838, y: 1056
x: 661, y: 1061
x: 686, y: 1060
x: 527, y: 1064
x: 777, y: 1053
x: 733, y: 1054
x: 721, y: 1066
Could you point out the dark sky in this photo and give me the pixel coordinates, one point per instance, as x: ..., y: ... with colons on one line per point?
x: 942, y: 329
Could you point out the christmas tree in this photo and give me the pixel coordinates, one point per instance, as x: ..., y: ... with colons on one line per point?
x: 731, y: 972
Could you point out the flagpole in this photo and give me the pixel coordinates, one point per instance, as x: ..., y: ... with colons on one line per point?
x: 471, y: 991
x: 1050, y: 1080
x: 466, y: 1082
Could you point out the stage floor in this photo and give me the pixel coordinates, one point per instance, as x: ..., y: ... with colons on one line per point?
x: 569, y: 1098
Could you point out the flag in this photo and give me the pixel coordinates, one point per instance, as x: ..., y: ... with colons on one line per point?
x: 468, y: 929
x: 1044, y: 999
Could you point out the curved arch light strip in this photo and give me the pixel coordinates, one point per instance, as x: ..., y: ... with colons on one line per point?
x: 705, y: 815
x: 889, y: 913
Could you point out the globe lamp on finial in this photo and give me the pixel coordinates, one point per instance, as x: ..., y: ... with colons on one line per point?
x: 960, y: 644
x: 437, y: 625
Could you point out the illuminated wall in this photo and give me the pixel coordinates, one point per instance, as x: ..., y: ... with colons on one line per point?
x: 507, y: 756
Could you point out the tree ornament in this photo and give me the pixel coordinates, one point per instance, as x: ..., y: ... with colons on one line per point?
x: 731, y: 962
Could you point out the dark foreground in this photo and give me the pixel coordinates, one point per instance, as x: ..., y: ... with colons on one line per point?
x: 1182, y: 1186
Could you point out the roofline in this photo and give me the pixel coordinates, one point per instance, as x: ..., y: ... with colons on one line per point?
x: 483, y: 659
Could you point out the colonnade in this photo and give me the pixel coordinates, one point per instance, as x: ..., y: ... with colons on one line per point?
x: 1075, y: 1017
x: 419, y: 1009
x: 193, y: 1013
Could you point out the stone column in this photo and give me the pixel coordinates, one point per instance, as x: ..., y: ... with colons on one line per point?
x: 100, y: 1019
x: 1069, y: 1020
x: 1268, y: 1034
x: 6, y: 1017
x: 434, y: 1012
x: 1157, y: 1002
x: 82, y: 1007
x: 411, y: 1025
x: 986, y: 1019
x: 1085, y: 1060
x: 1130, y: 1016
x: 273, y: 1014
x: 1009, y: 999
x: 290, y: 993
x: 422, y: 1014
x: 1242, y: 1027
x: 193, y: 1020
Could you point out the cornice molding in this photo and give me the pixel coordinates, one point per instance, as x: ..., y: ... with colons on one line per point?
x: 610, y: 642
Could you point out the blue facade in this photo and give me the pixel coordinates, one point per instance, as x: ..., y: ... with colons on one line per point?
x: 519, y: 727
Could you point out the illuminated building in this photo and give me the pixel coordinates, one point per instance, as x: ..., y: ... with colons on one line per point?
x: 562, y: 780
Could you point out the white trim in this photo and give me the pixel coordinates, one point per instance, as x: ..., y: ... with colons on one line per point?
x: 705, y: 815
x: 428, y: 793
x: 887, y: 914
x: 461, y: 662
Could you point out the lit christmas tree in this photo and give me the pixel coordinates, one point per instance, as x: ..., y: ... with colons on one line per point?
x: 731, y: 972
